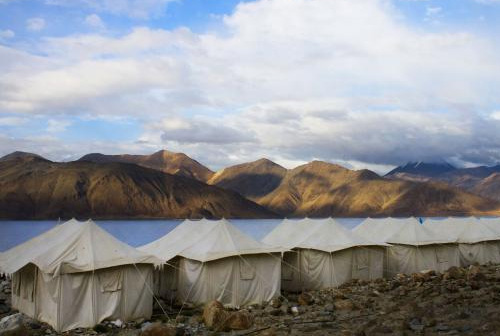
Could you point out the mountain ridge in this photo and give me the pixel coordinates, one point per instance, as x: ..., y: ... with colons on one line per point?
x: 163, y: 160
x: 474, y: 179
x: 40, y: 189
x: 315, y: 189
x: 321, y: 189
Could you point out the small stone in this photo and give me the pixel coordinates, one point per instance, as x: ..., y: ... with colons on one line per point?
x: 416, y: 325
x: 101, y: 328
x: 329, y: 307
x: 272, y: 311
x: 284, y: 309
x: 442, y: 327
x: 305, y: 299
x: 295, y: 311
x: 344, y: 305
x: 34, y: 325
x: 4, y: 308
x: 275, y: 303
x: 117, y: 323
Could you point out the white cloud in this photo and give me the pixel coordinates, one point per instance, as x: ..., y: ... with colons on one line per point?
x: 57, y: 126
x: 35, y: 24
x: 12, y: 121
x: 94, y: 21
x: 433, y: 14
x: 495, y: 115
x: 430, y: 11
x: 340, y: 80
x: 6, y: 34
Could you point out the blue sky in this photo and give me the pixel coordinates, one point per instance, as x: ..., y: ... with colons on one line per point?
x: 371, y: 83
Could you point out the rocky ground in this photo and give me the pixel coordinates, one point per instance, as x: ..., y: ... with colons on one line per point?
x: 459, y: 301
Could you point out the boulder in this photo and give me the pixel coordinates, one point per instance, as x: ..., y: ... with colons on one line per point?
x: 239, y: 320
x: 158, y: 329
x: 214, y: 315
x: 13, y: 325
x: 474, y: 273
x: 453, y: 272
x: 217, y: 318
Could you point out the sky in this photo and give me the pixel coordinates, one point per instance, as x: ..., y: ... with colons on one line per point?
x: 366, y: 83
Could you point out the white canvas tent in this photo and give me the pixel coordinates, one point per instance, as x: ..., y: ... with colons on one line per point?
x: 77, y: 275
x: 324, y: 255
x: 478, y: 240
x: 213, y: 260
x: 380, y: 229
x: 416, y: 247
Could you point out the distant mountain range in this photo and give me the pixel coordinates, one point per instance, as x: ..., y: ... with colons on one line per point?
x: 34, y: 188
x: 483, y: 180
x: 165, y: 161
x: 322, y: 189
x: 172, y: 185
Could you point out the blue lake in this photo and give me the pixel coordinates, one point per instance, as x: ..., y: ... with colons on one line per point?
x: 134, y: 232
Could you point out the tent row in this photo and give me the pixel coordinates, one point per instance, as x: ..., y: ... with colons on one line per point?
x: 77, y: 274
x: 435, y: 244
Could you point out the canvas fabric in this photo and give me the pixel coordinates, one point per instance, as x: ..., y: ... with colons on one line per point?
x: 381, y: 229
x: 234, y: 281
x: 410, y: 259
x: 309, y: 269
x: 72, y: 247
x: 209, y: 260
x: 82, y: 300
x: 77, y: 275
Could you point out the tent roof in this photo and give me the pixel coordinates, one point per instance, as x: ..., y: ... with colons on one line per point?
x: 416, y: 234
x: 205, y: 240
x: 72, y: 247
x: 467, y: 230
x: 319, y: 234
x: 493, y: 223
x: 380, y: 229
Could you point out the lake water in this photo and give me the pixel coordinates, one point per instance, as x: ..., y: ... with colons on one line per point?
x: 135, y: 232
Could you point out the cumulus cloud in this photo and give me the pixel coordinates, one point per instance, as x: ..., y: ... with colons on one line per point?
x: 433, y: 13
x: 13, y: 121
x: 6, y: 34
x: 338, y: 80
x: 203, y: 131
x: 57, y: 126
x: 94, y: 21
x: 35, y: 24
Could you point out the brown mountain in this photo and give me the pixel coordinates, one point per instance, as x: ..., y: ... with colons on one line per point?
x: 488, y: 187
x: 252, y: 180
x: 20, y: 155
x: 320, y: 189
x: 32, y: 187
x: 165, y: 161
